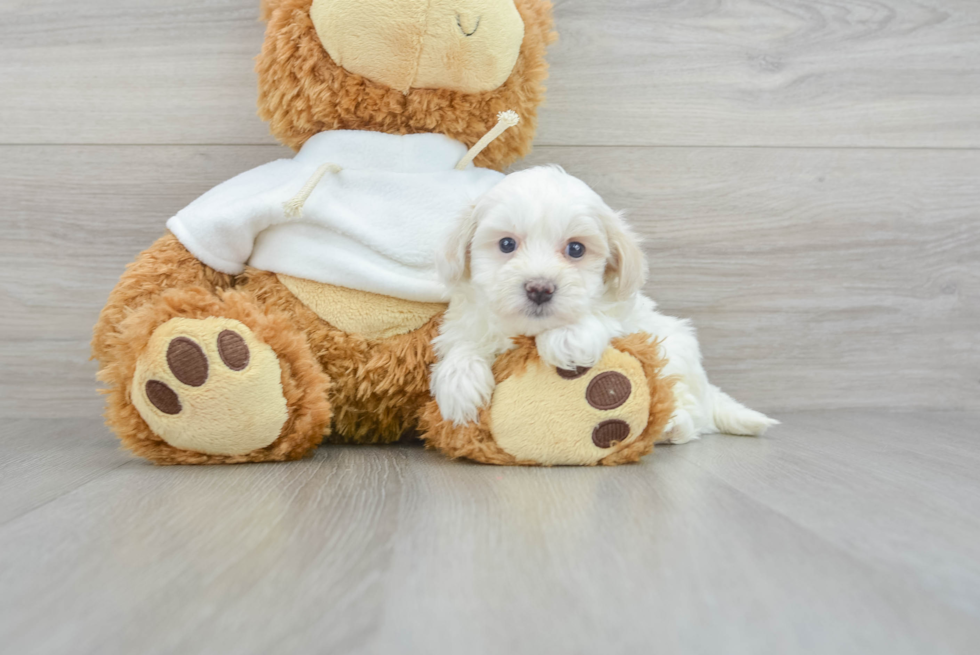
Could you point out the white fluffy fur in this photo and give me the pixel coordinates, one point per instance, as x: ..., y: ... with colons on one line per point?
x: 597, y: 298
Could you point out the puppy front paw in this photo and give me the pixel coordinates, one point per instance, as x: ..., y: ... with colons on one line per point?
x: 572, y: 346
x: 680, y: 429
x: 461, y: 387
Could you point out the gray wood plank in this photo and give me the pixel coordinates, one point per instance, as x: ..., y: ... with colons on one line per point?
x: 44, y: 460
x: 899, y: 491
x: 723, y: 545
x: 129, y: 71
x: 184, y: 547
x: 834, y: 73
x: 49, y: 378
x: 755, y: 72
x: 817, y: 278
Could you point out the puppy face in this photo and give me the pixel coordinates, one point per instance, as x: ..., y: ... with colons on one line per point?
x: 542, y: 249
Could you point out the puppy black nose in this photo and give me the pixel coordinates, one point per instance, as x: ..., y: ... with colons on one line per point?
x: 539, y: 292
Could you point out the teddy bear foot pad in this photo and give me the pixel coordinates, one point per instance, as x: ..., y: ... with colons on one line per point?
x: 209, y: 386
x: 608, y: 414
x: 558, y: 417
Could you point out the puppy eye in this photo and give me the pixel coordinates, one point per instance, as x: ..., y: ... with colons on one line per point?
x: 508, y: 245
x: 575, y: 250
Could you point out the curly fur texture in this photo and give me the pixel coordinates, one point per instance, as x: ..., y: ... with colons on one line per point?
x: 380, y: 386
x: 304, y: 383
x: 303, y: 92
x: 165, y: 265
x: 476, y: 442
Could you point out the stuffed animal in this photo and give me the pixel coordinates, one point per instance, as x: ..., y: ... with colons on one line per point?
x: 297, y: 301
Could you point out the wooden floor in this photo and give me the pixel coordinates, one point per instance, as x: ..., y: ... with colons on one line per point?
x: 807, y: 178
x: 843, y: 532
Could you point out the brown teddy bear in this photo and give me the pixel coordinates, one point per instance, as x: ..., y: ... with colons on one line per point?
x: 256, y: 327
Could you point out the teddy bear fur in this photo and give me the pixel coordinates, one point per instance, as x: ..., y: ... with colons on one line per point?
x: 302, y: 92
x: 367, y: 390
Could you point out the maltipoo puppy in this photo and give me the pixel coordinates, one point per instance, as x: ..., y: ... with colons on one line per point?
x: 542, y: 255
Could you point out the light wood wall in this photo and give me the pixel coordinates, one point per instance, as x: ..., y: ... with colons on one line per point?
x: 806, y: 175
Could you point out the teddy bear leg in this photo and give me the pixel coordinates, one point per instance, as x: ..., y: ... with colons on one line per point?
x: 165, y: 265
x: 200, y: 377
x: 609, y: 414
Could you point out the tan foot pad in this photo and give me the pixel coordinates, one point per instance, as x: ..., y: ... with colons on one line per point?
x: 552, y: 416
x: 209, y: 386
x: 539, y: 415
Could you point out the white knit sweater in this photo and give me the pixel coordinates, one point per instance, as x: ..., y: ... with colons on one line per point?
x: 377, y: 225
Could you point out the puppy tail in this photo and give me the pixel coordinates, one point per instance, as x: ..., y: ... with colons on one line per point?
x: 732, y: 417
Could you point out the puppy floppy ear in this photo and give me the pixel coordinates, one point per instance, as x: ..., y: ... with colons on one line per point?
x: 454, y: 265
x: 626, y: 268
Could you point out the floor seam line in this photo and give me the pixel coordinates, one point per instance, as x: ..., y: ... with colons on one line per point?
x: 18, y: 517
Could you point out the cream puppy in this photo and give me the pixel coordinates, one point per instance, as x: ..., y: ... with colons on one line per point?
x: 542, y: 255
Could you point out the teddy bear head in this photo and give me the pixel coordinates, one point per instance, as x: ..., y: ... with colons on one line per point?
x: 405, y: 67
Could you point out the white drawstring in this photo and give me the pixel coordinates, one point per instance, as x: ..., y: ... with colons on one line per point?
x: 505, y: 119
x: 294, y: 206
